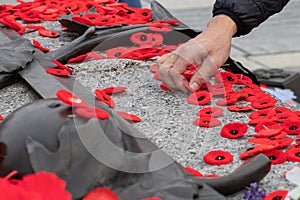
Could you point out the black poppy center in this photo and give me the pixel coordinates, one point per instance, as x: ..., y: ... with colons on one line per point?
x: 229, y: 78
x: 92, y: 18
x: 145, y: 14
x: 277, y: 198
x: 251, y: 148
x: 206, y: 121
x: 297, y: 154
x: 220, y: 158
x: 208, y: 112
x: 106, y: 99
x: 262, y: 115
x: 292, y: 128
x: 233, y: 132
x: 117, y: 54
x: 272, y: 157
x: 105, y: 20
x: 143, y: 38
x: 201, y: 98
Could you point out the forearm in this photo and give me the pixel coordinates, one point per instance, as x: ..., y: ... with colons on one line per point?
x: 248, y: 14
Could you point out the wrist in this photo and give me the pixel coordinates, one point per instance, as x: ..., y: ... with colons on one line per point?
x: 223, y: 23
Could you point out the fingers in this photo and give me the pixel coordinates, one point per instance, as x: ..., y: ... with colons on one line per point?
x: 164, y: 68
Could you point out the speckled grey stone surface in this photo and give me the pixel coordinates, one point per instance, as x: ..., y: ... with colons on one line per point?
x: 167, y: 117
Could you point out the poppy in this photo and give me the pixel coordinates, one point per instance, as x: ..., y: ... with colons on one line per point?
x: 281, y: 110
x: 187, y: 85
x: 226, y: 77
x: 91, y: 17
x: 257, y: 96
x: 210, y: 112
x: 70, y: 99
x: 102, y: 96
x: 269, y: 131
x: 143, y: 14
x: 279, y: 136
x: 297, y: 113
x: 116, y: 52
x: 263, y: 141
x: 94, y: 55
x: 259, y: 120
x: 256, y: 150
x: 40, y: 47
x: 165, y: 87
x: 140, y: 38
x: 264, y: 125
x: 199, y: 98
x: 284, y: 142
x: 234, y: 130
x: 279, y: 194
x: 11, y: 23
x: 82, y: 20
x: 1, y: 118
x: 218, y: 157
x: 79, y: 58
x: 276, y: 157
x: 292, y: 127
x: 239, y: 108
x: 243, y: 80
x: 263, y: 102
x: 193, y: 171
x: 101, y: 193
x: 188, y: 74
x: 114, y: 90
x: 129, y: 117
x: 156, y: 76
x: 61, y: 66
x: 158, y: 27
x: 153, y: 68
x: 207, y: 122
x: 57, y: 72
x: 48, y: 33
x: 267, y: 113
x: 92, y: 112
x: 228, y: 100
x: 282, y: 117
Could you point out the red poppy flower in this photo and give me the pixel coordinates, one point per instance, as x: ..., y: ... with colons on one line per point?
x: 114, y: 90
x: 279, y: 194
x: 91, y: 17
x: 269, y: 131
x: 156, y: 76
x: 210, y: 112
x: 70, y: 99
x: 282, y: 117
x: 207, y: 122
x: 263, y: 141
x: 82, y: 20
x: 188, y: 74
x: 284, y: 142
x: 234, y: 130
x: 218, y: 157
x: 228, y: 100
x: 92, y: 112
x: 11, y: 23
x: 264, y: 125
x: 165, y: 87
x: 48, y: 33
x: 61, y: 66
x: 116, y: 52
x: 199, y: 98
x: 297, y: 113
x: 239, y: 108
x: 40, y: 47
x: 102, y: 96
x: 1, y: 118
x: 257, y: 96
x: 153, y: 68
x: 159, y: 27
x: 226, y: 77
x: 193, y: 171
x: 140, y: 38
x: 293, y: 154
x: 143, y: 14
x: 167, y: 21
x: 265, y: 102
x: 130, y: 117
x: 57, y: 72
x: 292, y: 127
x: 282, y: 134
x: 101, y: 193
x: 259, y: 120
x: 280, y: 110
x: 267, y: 113
x: 256, y: 150
x: 243, y: 80
x: 276, y: 157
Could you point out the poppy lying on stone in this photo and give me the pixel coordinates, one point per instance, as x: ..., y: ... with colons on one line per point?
x: 218, y: 157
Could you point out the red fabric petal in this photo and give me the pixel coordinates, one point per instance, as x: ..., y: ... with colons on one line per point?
x: 293, y: 154
x: 267, y: 113
x: 114, y: 90
x: 82, y: 20
x: 165, y: 87
x: 269, y: 132
x: 57, y: 72
x: 265, y: 125
x: 193, y: 171
x: 218, y: 157
x: 199, y: 98
x: 234, y: 130
x: 282, y: 117
x: 276, y: 157
x: 40, y: 47
x: 92, y: 112
x: 256, y: 150
x: 158, y: 27
x: 279, y: 194
x: 239, y: 108
x: 207, y: 122
x: 101, y: 193
x: 1, y: 118
x: 156, y: 76
x: 226, y: 77
x: 102, y: 96
x: 210, y: 112
x: 130, y: 117
x: 48, y: 33
x: 263, y: 103
x: 70, y: 99
x: 61, y: 66
x: 292, y: 127
x: 154, y: 68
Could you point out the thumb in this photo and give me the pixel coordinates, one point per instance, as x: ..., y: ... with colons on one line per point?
x: 207, y: 69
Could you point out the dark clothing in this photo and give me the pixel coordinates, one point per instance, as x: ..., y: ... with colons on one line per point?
x: 248, y: 14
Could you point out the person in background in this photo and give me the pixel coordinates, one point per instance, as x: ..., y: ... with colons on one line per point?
x: 132, y: 3
x: 211, y: 48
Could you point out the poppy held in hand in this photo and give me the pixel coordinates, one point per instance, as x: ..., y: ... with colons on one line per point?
x: 207, y: 122
x: 234, y: 130
x: 276, y: 157
x: 218, y: 157
x: 210, y: 112
x: 199, y: 98
x: 279, y: 194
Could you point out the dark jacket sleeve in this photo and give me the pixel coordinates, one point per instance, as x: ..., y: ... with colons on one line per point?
x: 248, y: 14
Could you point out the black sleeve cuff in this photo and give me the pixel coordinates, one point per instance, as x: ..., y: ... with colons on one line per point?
x: 240, y: 29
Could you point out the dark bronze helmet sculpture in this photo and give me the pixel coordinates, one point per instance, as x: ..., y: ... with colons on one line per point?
x: 89, y: 153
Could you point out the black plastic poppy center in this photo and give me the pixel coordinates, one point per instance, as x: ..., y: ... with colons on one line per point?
x: 229, y: 78
x: 117, y: 54
x: 106, y: 99
x: 201, y: 98
x: 145, y: 14
x: 297, y: 154
x: 262, y: 115
x: 249, y: 149
x: 92, y: 18
x: 233, y: 132
x: 208, y: 112
x: 105, y: 20
x: 220, y: 158
x: 277, y: 198
x: 272, y: 157
x: 206, y: 121
x: 292, y: 128
x: 143, y: 38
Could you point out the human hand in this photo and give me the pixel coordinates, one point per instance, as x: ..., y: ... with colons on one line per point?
x: 210, y: 50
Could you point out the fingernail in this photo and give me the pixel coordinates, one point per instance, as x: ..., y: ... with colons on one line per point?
x: 194, y: 86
